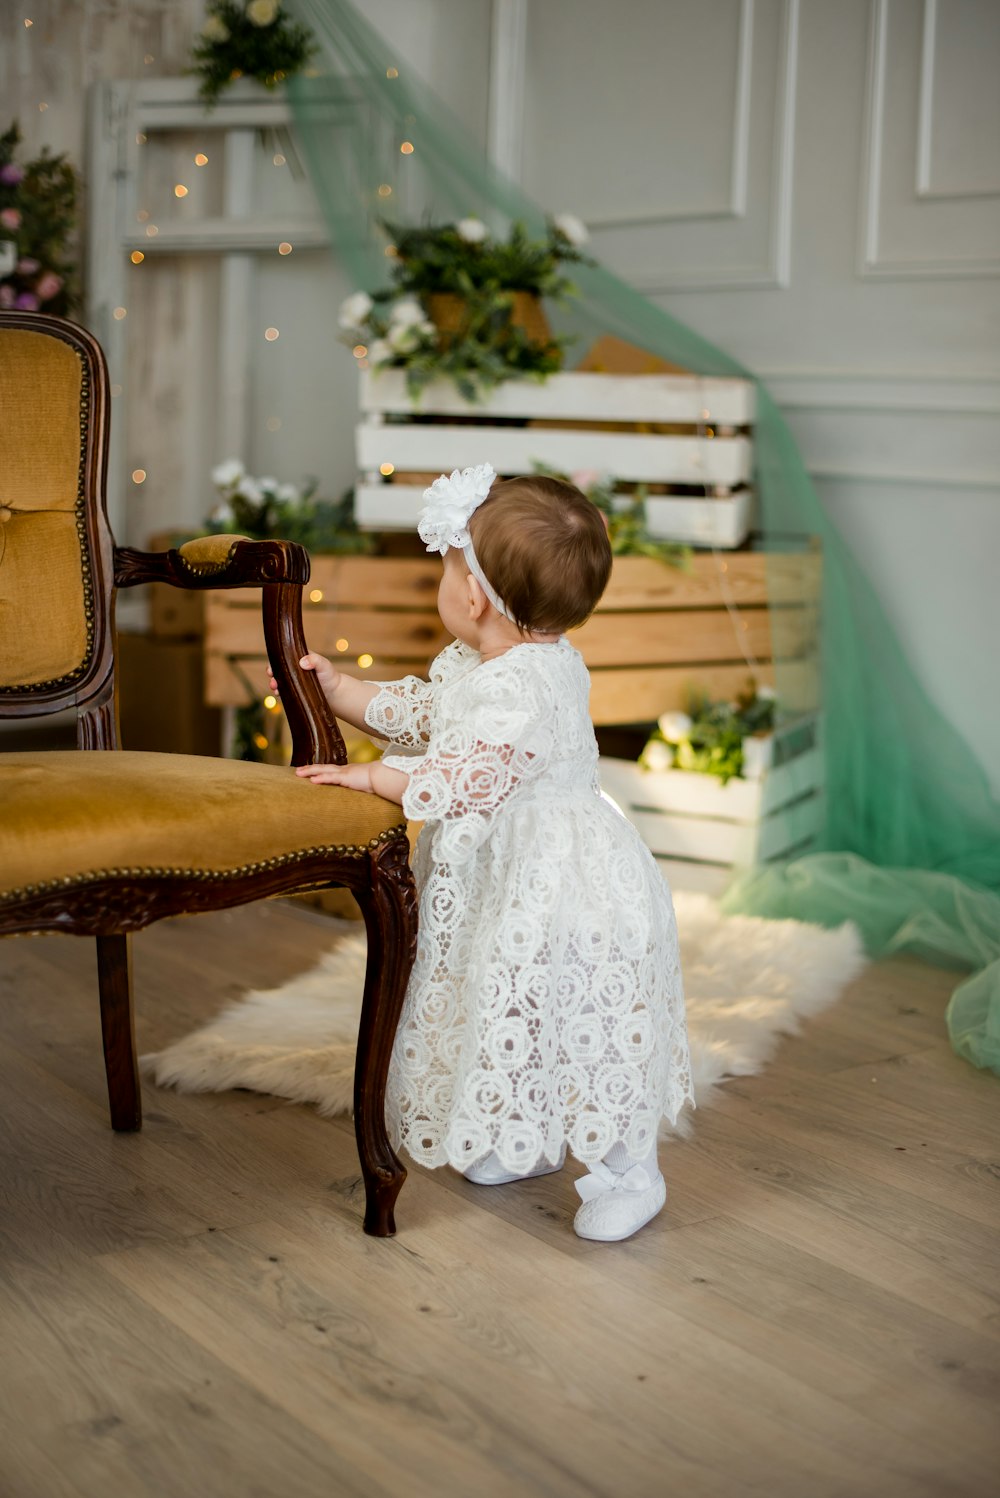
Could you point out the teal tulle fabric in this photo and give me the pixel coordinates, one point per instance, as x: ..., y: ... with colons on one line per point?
x: 911, y: 842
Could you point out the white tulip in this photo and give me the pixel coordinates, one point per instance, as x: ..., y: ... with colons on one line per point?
x: 354, y: 309
x: 215, y: 30
x: 674, y: 727
x: 249, y: 489
x: 406, y: 313
x: 657, y: 756
x: 571, y: 228
x: 380, y: 351
x: 263, y: 12
x: 472, y: 230
x: 228, y: 473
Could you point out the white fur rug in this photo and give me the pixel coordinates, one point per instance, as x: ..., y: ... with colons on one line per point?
x: 747, y: 983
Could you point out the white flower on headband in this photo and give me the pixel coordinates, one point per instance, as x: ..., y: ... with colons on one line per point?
x: 451, y: 501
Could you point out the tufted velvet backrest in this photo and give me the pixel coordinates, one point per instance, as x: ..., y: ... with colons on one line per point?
x: 55, y: 545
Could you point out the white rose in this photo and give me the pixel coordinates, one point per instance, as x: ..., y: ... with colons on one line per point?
x: 222, y: 515
x: 263, y: 12
x: 380, y: 351
x: 354, y: 309
x: 571, y: 228
x: 228, y: 473
x: 472, y: 230
x: 215, y: 30
x: 403, y: 338
x: 406, y: 313
x: 657, y: 756
x: 268, y: 485
x: 249, y: 489
x: 767, y: 693
x: 289, y: 493
x: 674, y: 727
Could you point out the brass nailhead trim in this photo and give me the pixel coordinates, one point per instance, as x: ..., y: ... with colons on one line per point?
x: 283, y: 860
x: 207, y: 569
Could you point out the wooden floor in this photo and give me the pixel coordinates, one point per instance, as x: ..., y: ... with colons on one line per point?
x: 195, y: 1311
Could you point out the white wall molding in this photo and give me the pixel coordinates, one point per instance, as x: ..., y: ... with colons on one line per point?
x: 856, y: 390
x: 508, y: 64
x: 872, y: 264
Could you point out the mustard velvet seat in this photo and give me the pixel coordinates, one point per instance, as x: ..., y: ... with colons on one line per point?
x: 171, y: 814
x: 101, y: 841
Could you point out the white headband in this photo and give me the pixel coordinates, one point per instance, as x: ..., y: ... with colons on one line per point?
x: 444, y: 521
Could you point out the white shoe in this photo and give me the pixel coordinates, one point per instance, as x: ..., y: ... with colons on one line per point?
x: 616, y: 1206
x: 489, y: 1171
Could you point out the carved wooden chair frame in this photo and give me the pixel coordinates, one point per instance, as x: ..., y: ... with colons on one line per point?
x: 111, y: 908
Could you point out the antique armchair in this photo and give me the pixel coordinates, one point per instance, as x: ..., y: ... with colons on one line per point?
x: 100, y: 841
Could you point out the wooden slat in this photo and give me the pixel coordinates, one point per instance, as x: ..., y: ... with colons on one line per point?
x: 573, y: 396
x: 407, y: 635
x: 629, y: 455
x: 671, y: 638
x: 226, y: 687
x: 361, y: 582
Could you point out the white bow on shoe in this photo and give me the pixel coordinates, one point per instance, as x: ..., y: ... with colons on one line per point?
x: 616, y: 1206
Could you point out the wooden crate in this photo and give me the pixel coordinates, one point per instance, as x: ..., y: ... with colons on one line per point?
x: 657, y: 632
x: 702, y: 832
x: 673, y: 432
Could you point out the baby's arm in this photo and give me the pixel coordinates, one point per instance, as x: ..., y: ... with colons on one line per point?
x: 377, y: 778
x: 348, y: 696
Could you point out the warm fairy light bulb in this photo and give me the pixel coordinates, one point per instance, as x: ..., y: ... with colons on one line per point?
x: 143, y: 215
x: 28, y: 22
x: 364, y: 661
x: 386, y: 468
x: 201, y: 159
x: 359, y: 350
x: 343, y: 645
x: 43, y: 107
x: 316, y: 596
x: 391, y: 251
x: 137, y: 257
x: 180, y: 191
x: 392, y: 72
x: 284, y: 248
x: 151, y: 231
x: 407, y: 148
x: 270, y: 334
x: 138, y: 475
x: 140, y: 138
x: 278, y: 159
x: 384, y: 190
x: 119, y: 313
x: 260, y: 741
x: 148, y: 58
x: 270, y: 702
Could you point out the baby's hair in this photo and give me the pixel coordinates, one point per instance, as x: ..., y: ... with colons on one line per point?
x: 545, y: 549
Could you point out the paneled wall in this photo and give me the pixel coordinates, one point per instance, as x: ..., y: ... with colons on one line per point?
x: 815, y: 187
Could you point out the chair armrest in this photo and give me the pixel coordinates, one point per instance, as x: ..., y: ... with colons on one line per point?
x: 280, y: 568
x: 214, y: 562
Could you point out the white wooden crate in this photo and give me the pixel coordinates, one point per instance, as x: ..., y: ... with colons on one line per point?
x: 702, y: 831
x: 389, y: 437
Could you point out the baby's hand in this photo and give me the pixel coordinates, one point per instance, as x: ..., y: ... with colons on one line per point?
x: 327, y: 674
x: 354, y: 777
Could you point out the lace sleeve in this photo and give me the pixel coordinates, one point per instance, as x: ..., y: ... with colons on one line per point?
x: 473, y: 767
x: 400, y: 712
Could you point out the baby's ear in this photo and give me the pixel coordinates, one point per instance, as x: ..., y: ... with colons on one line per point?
x: 478, y: 602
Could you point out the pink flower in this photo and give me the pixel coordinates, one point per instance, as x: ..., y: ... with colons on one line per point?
x: 46, y: 286
x: 10, y: 218
x: 27, y: 302
x: 11, y: 174
x: 27, y: 267
x: 585, y: 479
x: 6, y: 295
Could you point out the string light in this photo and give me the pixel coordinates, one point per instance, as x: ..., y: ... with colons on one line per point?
x: 260, y: 740
x: 201, y: 159
x: 284, y: 248
x: 270, y: 702
x: 43, y: 107
x: 359, y: 351
x: 392, y: 72
x: 364, y: 661
x: 151, y: 231
x: 137, y: 257
x: 270, y: 334
x: 386, y: 468
x: 343, y: 645
x: 28, y: 22
x: 140, y: 138
x: 148, y: 58
x: 316, y: 596
x: 119, y: 313
x: 180, y: 191
x: 391, y: 251
x: 384, y: 190
x: 138, y: 475
x: 278, y: 159
x: 407, y: 148
x: 142, y: 215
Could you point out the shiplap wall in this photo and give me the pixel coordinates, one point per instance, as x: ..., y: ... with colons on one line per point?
x: 814, y: 187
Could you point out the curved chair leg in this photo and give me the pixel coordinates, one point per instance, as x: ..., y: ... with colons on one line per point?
x: 114, y: 975
x: 390, y: 911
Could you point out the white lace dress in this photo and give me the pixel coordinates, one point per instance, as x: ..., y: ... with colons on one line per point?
x: 545, y: 1003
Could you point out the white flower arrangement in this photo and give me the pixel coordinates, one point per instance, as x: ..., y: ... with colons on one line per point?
x: 472, y: 230
x: 572, y: 228
x: 354, y: 311
x: 724, y: 739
